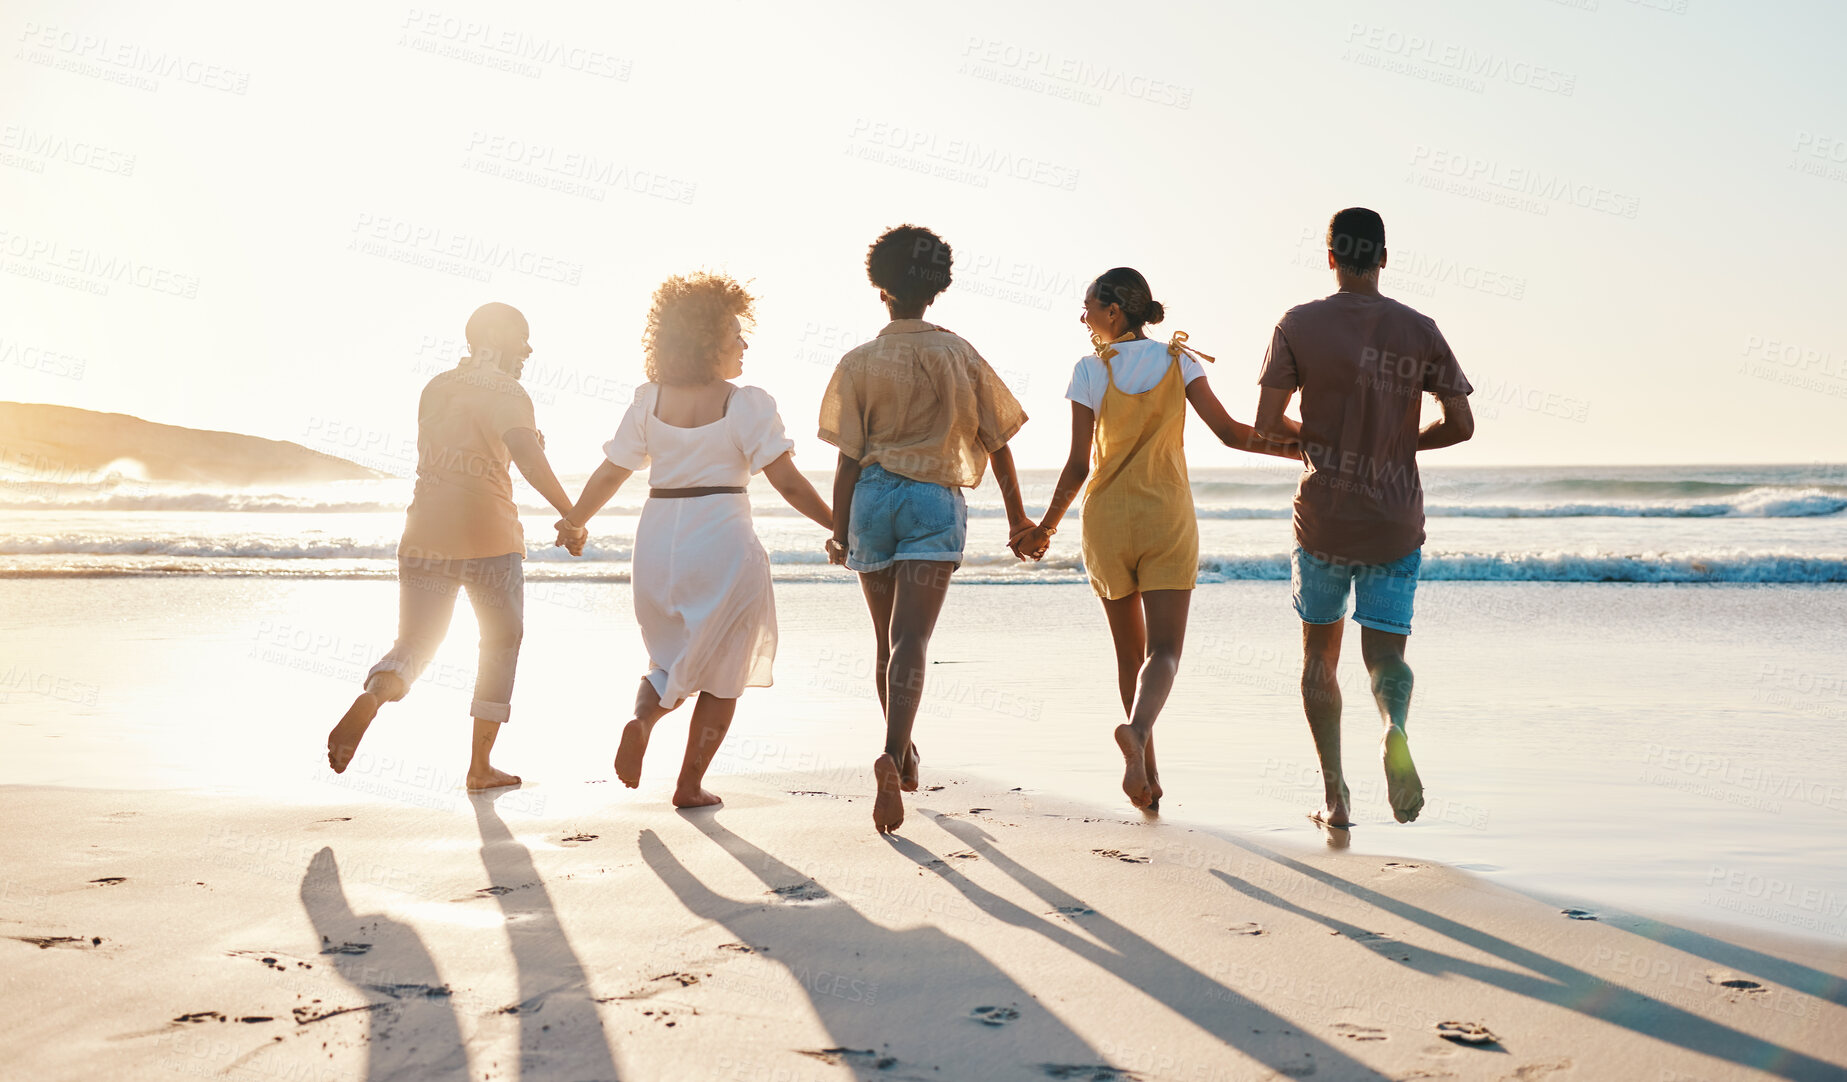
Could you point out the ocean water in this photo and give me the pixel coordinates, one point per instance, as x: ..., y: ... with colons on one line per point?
x: 1766, y: 524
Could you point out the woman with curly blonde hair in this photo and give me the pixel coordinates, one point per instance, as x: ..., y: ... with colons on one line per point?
x: 701, y: 579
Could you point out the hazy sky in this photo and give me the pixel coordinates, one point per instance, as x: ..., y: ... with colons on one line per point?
x: 1626, y: 215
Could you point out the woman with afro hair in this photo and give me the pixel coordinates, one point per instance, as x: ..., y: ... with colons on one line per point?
x: 701, y: 579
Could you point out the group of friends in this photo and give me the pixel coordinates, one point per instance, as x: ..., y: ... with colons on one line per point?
x: 918, y: 416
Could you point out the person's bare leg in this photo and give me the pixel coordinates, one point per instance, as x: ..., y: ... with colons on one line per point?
x: 1391, y: 689
x: 1129, y: 634
x: 1164, y: 615
x: 1321, y: 702
x: 635, y: 734
x: 343, y: 740
x: 1130, y: 637
x: 482, y: 774
x: 921, y: 586
x: 711, y: 721
x: 426, y: 602
x: 880, y: 589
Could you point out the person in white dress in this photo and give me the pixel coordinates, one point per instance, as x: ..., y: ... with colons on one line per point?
x: 701, y: 579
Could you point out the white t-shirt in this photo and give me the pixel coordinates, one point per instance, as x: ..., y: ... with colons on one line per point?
x: 1138, y: 365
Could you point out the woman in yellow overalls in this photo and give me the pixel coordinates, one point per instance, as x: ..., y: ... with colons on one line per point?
x: 1141, y: 541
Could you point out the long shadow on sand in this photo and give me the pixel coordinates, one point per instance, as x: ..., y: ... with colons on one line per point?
x: 561, y: 1033
x: 383, y: 957
x: 911, y: 1002
x: 1559, y: 983
x: 1216, y: 1009
x: 1791, y: 975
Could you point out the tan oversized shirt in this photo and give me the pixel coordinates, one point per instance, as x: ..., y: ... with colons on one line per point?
x: 920, y: 402
x: 1363, y: 364
x: 463, y: 506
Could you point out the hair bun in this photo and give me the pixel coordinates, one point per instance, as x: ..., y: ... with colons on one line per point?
x: 1155, y: 313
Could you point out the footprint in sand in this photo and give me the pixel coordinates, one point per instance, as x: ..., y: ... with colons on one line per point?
x: 305, y: 1015
x: 583, y: 837
x: 966, y: 854
x: 273, y: 959
x: 1473, y: 1033
x: 1725, y: 978
x: 1353, y: 1031
x: 864, y: 1057
x: 420, y: 991
x: 1578, y: 914
x: 1249, y: 927
x: 810, y: 891
x: 46, y: 942
x: 200, y: 1016
x: 1075, y: 911
x: 740, y: 948
x: 1088, y: 1072
x: 328, y: 946
x: 1117, y: 854
x: 110, y: 880
x: 994, y: 1016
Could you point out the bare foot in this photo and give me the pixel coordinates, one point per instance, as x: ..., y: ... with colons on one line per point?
x: 1134, y: 765
x: 888, y: 805
x: 697, y: 798
x: 630, y: 752
x: 1336, y: 813
x: 344, y: 739
x: 1402, y: 784
x: 491, y: 778
x: 907, y: 771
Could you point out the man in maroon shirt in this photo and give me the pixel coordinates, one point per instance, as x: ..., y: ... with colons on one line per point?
x: 1363, y: 363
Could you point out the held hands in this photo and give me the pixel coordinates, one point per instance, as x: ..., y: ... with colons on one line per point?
x: 1031, y: 541
x: 836, y: 552
x: 570, y: 537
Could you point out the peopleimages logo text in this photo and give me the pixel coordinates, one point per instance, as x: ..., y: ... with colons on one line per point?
x: 1555, y: 187
x: 965, y: 153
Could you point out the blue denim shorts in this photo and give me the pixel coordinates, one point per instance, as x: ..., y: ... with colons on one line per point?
x: 1382, y: 592
x: 896, y: 518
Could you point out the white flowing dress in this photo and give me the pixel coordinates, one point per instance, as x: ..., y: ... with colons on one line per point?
x: 701, y: 578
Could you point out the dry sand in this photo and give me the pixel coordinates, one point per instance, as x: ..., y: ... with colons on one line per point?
x: 159, y: 935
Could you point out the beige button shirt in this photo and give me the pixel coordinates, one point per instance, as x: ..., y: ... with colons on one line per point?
x: 920, y: 402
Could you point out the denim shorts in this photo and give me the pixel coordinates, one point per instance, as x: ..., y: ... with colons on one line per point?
x: 896, y: 518
x: 1382, y: 592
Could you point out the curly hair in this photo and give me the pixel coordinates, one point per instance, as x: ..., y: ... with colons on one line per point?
x: 910, y: 263
x: 687, y: 326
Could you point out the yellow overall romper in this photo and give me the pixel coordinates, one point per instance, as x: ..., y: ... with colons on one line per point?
x: 1139, y: 529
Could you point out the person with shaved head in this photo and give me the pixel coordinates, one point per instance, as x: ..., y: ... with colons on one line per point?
x: 462, y: 532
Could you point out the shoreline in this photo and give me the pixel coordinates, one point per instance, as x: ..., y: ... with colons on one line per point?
x: 1550, y: 762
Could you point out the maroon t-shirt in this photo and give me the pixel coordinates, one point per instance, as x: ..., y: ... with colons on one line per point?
x: 1363, y: 364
